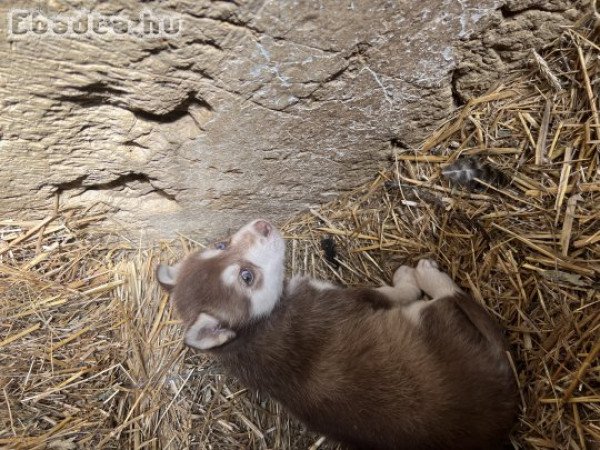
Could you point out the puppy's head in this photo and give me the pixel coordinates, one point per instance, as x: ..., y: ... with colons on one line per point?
x: 220, y: 289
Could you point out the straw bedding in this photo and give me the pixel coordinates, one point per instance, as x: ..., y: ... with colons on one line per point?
x: 90, y: 351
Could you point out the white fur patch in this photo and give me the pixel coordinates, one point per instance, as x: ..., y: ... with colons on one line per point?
x: 413, y: 311
x: 297, y: 280
x: 230, y: 275
x: 207, y: 333
x: 401, y: 293
x: 268, y: 255
x: 321, y: 285
x: 210, y: 253
x: 248, y: 228
x: 167, y: 275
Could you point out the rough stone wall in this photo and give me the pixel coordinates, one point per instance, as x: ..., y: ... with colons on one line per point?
x: 504, y: 41
x: 257, y: 108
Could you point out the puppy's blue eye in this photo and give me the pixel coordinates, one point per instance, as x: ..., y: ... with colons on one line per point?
x: 246, y: 276
x: 221, y: 245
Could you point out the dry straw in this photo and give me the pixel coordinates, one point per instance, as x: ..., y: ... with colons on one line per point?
x: 90, y: 353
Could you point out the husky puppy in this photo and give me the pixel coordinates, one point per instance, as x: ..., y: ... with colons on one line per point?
x: 373, y: 368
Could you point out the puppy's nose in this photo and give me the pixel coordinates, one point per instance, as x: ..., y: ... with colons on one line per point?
x: 263, y: 227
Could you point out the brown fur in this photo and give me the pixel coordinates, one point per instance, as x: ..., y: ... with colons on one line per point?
x: 351, y: 366
x: 197, y: 281
x: 351, y: 363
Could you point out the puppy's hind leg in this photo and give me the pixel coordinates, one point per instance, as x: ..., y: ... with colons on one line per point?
x: 433, y: 281
x: 406, y: 289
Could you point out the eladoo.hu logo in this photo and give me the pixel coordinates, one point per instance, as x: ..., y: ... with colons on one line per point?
x: 27, y: 24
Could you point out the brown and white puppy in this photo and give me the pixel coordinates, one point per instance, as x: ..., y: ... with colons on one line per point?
x: 375, y: 369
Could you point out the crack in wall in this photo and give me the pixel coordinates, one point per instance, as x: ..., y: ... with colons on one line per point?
x: 100, y: 93
x: 121, y: 181
x: 509, y: 11
x: 457, y: 99
x: 180, y: 111
x: 397, y: 143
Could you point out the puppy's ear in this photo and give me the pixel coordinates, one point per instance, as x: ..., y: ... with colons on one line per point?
x: 207, y: 333
x: 167, y: 275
